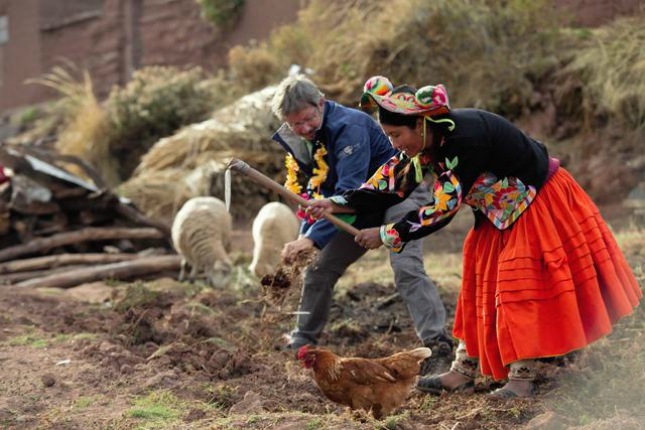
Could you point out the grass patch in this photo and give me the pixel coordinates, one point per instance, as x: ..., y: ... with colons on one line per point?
x: 158, y: 406
x: 84, y: 402
x: 137, y: 295
x: 222, y: 395
x: 64, y: 337
x: 27, y: 340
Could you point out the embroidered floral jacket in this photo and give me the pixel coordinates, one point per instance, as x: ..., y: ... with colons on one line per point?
x: 484, y: 162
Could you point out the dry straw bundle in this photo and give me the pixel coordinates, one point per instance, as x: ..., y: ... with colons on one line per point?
x: 193, y: 161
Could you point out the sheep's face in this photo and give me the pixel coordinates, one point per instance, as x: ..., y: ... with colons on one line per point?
x: 220, y: 275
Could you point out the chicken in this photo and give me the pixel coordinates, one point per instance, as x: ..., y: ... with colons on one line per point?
x: 377, y: 385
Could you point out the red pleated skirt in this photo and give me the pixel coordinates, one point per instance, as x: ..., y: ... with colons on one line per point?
x: 550, y: 284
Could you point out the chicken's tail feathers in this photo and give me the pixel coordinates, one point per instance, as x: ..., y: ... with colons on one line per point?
x: 421, y: 353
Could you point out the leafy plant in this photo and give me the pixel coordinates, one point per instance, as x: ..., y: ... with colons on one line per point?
x: 222, y: 13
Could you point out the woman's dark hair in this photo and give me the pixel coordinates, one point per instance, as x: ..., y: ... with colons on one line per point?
x: 393, y: 118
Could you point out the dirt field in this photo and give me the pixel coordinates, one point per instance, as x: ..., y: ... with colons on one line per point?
x: 162, y: 354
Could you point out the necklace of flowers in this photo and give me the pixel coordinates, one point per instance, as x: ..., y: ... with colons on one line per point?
x: 319, y: 176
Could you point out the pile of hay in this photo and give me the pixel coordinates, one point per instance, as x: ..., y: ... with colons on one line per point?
x: 193, y: 161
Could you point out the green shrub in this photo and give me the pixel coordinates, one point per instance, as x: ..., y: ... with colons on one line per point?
x: 154, y: 104
x: 221, y: 13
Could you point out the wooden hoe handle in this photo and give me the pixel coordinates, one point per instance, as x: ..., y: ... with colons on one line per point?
x: 255, y: 176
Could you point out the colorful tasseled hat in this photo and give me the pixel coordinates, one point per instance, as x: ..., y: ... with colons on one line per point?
x: 430, y: 100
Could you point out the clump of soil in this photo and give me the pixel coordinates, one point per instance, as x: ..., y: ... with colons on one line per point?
x: 276, y: 286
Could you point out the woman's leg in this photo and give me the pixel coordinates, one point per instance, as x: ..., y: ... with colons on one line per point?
x: 520, y: 380
x: 460, y: 377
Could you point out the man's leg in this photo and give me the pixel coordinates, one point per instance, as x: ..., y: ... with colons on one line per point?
x: 415, y: 287
x: 318, y: 285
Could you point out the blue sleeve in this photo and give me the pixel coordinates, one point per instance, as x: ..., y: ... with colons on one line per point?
x: 321, y: 232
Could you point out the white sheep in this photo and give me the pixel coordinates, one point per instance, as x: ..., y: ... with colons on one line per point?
x: 275, y: 225
x: 201, y: 234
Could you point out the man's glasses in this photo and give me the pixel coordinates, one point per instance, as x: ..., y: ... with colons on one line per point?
x: 313, y: 116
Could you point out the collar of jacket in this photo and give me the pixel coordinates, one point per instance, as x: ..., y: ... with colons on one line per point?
x: 296, y: 146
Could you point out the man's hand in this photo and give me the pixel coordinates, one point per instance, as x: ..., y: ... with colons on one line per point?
x: 292, y: 249
x: 369, y: 238
x: 318, y: 208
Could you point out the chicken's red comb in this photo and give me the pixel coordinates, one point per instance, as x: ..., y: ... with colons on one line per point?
x: 302, y: 351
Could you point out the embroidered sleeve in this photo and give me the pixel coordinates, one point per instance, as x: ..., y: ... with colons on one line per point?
x: 502, y: 201
x: 447, y: 199
x: 389, y: 185
x: 390, y: 238
x: 384, y: 179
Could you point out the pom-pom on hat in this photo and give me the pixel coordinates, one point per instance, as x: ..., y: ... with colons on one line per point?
x: 430, y: 100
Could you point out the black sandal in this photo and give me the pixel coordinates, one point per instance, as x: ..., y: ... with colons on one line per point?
x: 433, y: 385
x: 506, y: 393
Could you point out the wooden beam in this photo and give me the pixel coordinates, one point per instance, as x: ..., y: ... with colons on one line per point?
x: 53, y: 261
x: 124, y: 270
x: 84, y: 235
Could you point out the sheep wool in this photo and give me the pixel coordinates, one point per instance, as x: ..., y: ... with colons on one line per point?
x: 201, y: 234
x: 274, y: 226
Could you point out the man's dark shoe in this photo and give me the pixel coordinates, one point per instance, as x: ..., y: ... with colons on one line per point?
x: 292, y: 344
x: 442, y: 355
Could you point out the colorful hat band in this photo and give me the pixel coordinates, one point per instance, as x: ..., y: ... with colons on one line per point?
x: 430, y: 100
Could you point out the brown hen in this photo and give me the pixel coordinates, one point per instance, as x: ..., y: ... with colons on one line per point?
x: 377, y: 385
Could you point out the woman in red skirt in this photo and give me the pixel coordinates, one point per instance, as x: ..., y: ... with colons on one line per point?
x: 542, y: 276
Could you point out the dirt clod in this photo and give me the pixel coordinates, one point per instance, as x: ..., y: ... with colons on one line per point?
x: 48, y: 380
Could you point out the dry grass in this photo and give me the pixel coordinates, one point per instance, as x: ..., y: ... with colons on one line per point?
x: 193, y: 161
x: 84, y: 130
x: 609, y: 71
x: 486, y: 54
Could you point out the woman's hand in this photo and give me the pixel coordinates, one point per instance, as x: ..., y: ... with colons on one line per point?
x: 318, y: 208
x: 369, y: 238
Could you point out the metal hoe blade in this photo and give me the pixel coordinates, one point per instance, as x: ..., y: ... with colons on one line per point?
x: 227, y: 189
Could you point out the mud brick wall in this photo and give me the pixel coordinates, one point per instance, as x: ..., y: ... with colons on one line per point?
x: 112, y: 38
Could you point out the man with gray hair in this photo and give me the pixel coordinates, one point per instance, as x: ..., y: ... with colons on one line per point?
x: 336, y: 149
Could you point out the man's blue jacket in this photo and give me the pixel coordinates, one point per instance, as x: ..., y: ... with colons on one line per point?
x: 356, y: 147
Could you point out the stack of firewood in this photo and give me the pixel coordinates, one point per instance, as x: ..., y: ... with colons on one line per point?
x: 58, y: 229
